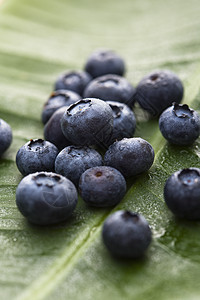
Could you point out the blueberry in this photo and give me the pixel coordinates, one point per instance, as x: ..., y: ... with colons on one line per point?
x: 56, y: 100
x: 72, y: 161
x: 102, y: 62
x: 180, y: 124
x: 102, y: 186
x: 46, y: 198
x: 131, y: 156
x: 5, y: 136
x: 36, y: 155
x: 112, y: 88
x: 88, y: 122
x: 124, y: 122
x: 126, y: 234
x: 182, y: 193
x: 158, y: 90
x: 74, y: 81
x: 53, y: 132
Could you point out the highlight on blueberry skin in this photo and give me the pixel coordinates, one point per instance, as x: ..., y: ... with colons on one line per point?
x: 36, y: 155
x: 5, y: 136
x: 182, y: 193
x: 46, y: 198
x: 111, y: 88
x: 102, y: 186
x: 72, y: 161
x: 124, y: 122
x: 88, y: 122
x: 56, y: 100
x: 158, y: 90
x: 102, y: 62
x: 131, y: 156
x: 74, y: 81
x: 180, y: 124
x: 126, y: 234
x: 53, y: 132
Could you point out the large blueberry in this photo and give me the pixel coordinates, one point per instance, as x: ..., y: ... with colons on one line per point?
x: 36, y: 155
x: 158, y: 90
x: 182, y: 193
x: 5, y: 136
x: 180, y: 124
x: 102, y: 62
x: 88, y: 122
x: 46, y: 198
x: 126, y: 234
x: 102, y: 186
x: 112, y: 88
x: 72, y: 161
x: 56, y: 100
x: 131, y: 156
x: 74, y: 81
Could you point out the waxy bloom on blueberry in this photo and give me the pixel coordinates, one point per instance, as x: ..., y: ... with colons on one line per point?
x: 56, y: 100
x: 182, y: 193
x: 36, y: 155
x: 88, y: 122
x: 46, y: 198
x: 111, y: 88
x: 126, y: 234
x: 72, y: 161
x: 130, y: 156
x: 180, y: 124
x: 102, y: 186
x: 158, y: 90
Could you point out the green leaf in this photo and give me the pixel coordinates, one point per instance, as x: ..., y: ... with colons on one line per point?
x: 40, y: 39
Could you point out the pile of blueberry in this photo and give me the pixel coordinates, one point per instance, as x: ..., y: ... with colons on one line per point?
x: 91, y: 112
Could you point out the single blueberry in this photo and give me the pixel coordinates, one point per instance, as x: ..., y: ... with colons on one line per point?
x: 182, y: 193
x: 111, y: 88
x: 56, y: 100
x: 131, y: 156
x: 46, y: 198
x: 72, y: 161
x: 158, y: 90
x: 53, y: 132
x: 102, y: 186
x: 5, y: 136
x: 124, y: 122
x: 36, y: 155
x: 180, y: 124
x: 102, y: 62
x: 126, y: 234
x: 74, y: 81
x: 88, y: 122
